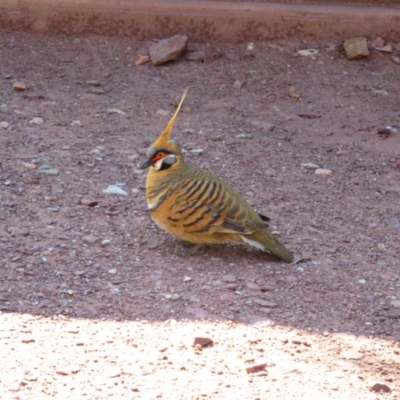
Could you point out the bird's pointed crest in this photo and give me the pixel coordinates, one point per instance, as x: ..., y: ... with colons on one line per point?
x: 163, y: 139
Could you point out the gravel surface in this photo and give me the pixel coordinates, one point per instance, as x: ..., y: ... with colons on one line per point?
x: 95, y: 303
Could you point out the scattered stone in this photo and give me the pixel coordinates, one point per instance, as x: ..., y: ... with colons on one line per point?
x: 229, y: 278
x: 308, y: 52
x: 19, y: 86
x: 195, y: 56
x: 380, y: 387
x: 29, y: 165
x: 396, y: 59
x: 256, y: 368
x: 187, y: 279
x: 97, y: 91
x: 238, y: 84
x: 113, y: 189
x: 4, y: 124
x: 395, y: 303
x: 36, y: 121
x: 250, y: 50
x: 202, y: 341
x: 115, y: 111
x: 93, y: 83
x: 162, y: 112
x: 105, y: 242
x: 49, y: 171
x: 393, y: 223
x: 356, y: 48
x: 142, y: 60
x: 309, y: 166
x: 386, y: 49
x: 76, y: 123
x: 112, y: 271
x: 33, y: 96
x: 322, y: 171
x: 168, y: 49
x: 90, y: 239
x: 89, y: 201
x: 294, y: 93
x: 265, y: 303
x: 378, y: 43
x: 244, y: 135
x: 362, y: 281
x: 44, y: 167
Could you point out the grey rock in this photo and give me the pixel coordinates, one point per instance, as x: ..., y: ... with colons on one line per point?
x: 50, y: 171
x: 112, y: 189
x: 168, y: 49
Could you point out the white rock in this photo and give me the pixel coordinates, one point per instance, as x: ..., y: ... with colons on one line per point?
x: 395, y: 303
x: 36, y: 121
x: 308, y: 52
x: 310, y: 166
x: 112, y: 271
x: 250, y: 46
x: 115, y: 111
x: 322, y: 171
x: 115, y: 190
x: 4, y: 124
x: 162, y: 112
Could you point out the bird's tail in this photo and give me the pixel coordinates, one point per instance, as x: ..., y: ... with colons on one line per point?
x: 266, y: 241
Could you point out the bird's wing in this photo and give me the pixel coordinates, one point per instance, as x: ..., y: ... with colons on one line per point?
x: 206, y: 204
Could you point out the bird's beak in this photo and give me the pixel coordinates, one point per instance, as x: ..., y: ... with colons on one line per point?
x: 145, y: 164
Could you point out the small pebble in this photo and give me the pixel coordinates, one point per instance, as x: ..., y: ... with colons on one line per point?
x: 36, y: 121
x: 322, y: 171
x: 90, y: 239
x: 112, y: 271
x: 308, y: 52
x: 4, y: 124
x: 93, y: 83
x: 50, y: 171
x: 19, y: 86
x: 309, y: 166
x: 238, y: 84
x: 113, y: 189
x: 142, y: 60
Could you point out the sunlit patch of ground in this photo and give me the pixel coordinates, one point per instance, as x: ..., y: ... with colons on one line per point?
x: 96, y: 359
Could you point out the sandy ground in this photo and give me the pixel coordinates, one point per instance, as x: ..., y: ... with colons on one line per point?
x: 94, y: 302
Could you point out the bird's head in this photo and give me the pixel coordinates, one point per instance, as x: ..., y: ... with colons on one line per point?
x: 165, y: 153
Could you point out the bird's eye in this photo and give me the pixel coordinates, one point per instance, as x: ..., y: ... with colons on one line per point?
x: 161, y: 154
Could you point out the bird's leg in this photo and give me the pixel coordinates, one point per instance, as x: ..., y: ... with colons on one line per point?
x: 184, y: 248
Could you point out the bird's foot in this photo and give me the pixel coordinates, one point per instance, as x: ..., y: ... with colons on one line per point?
x: 185, y: 249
